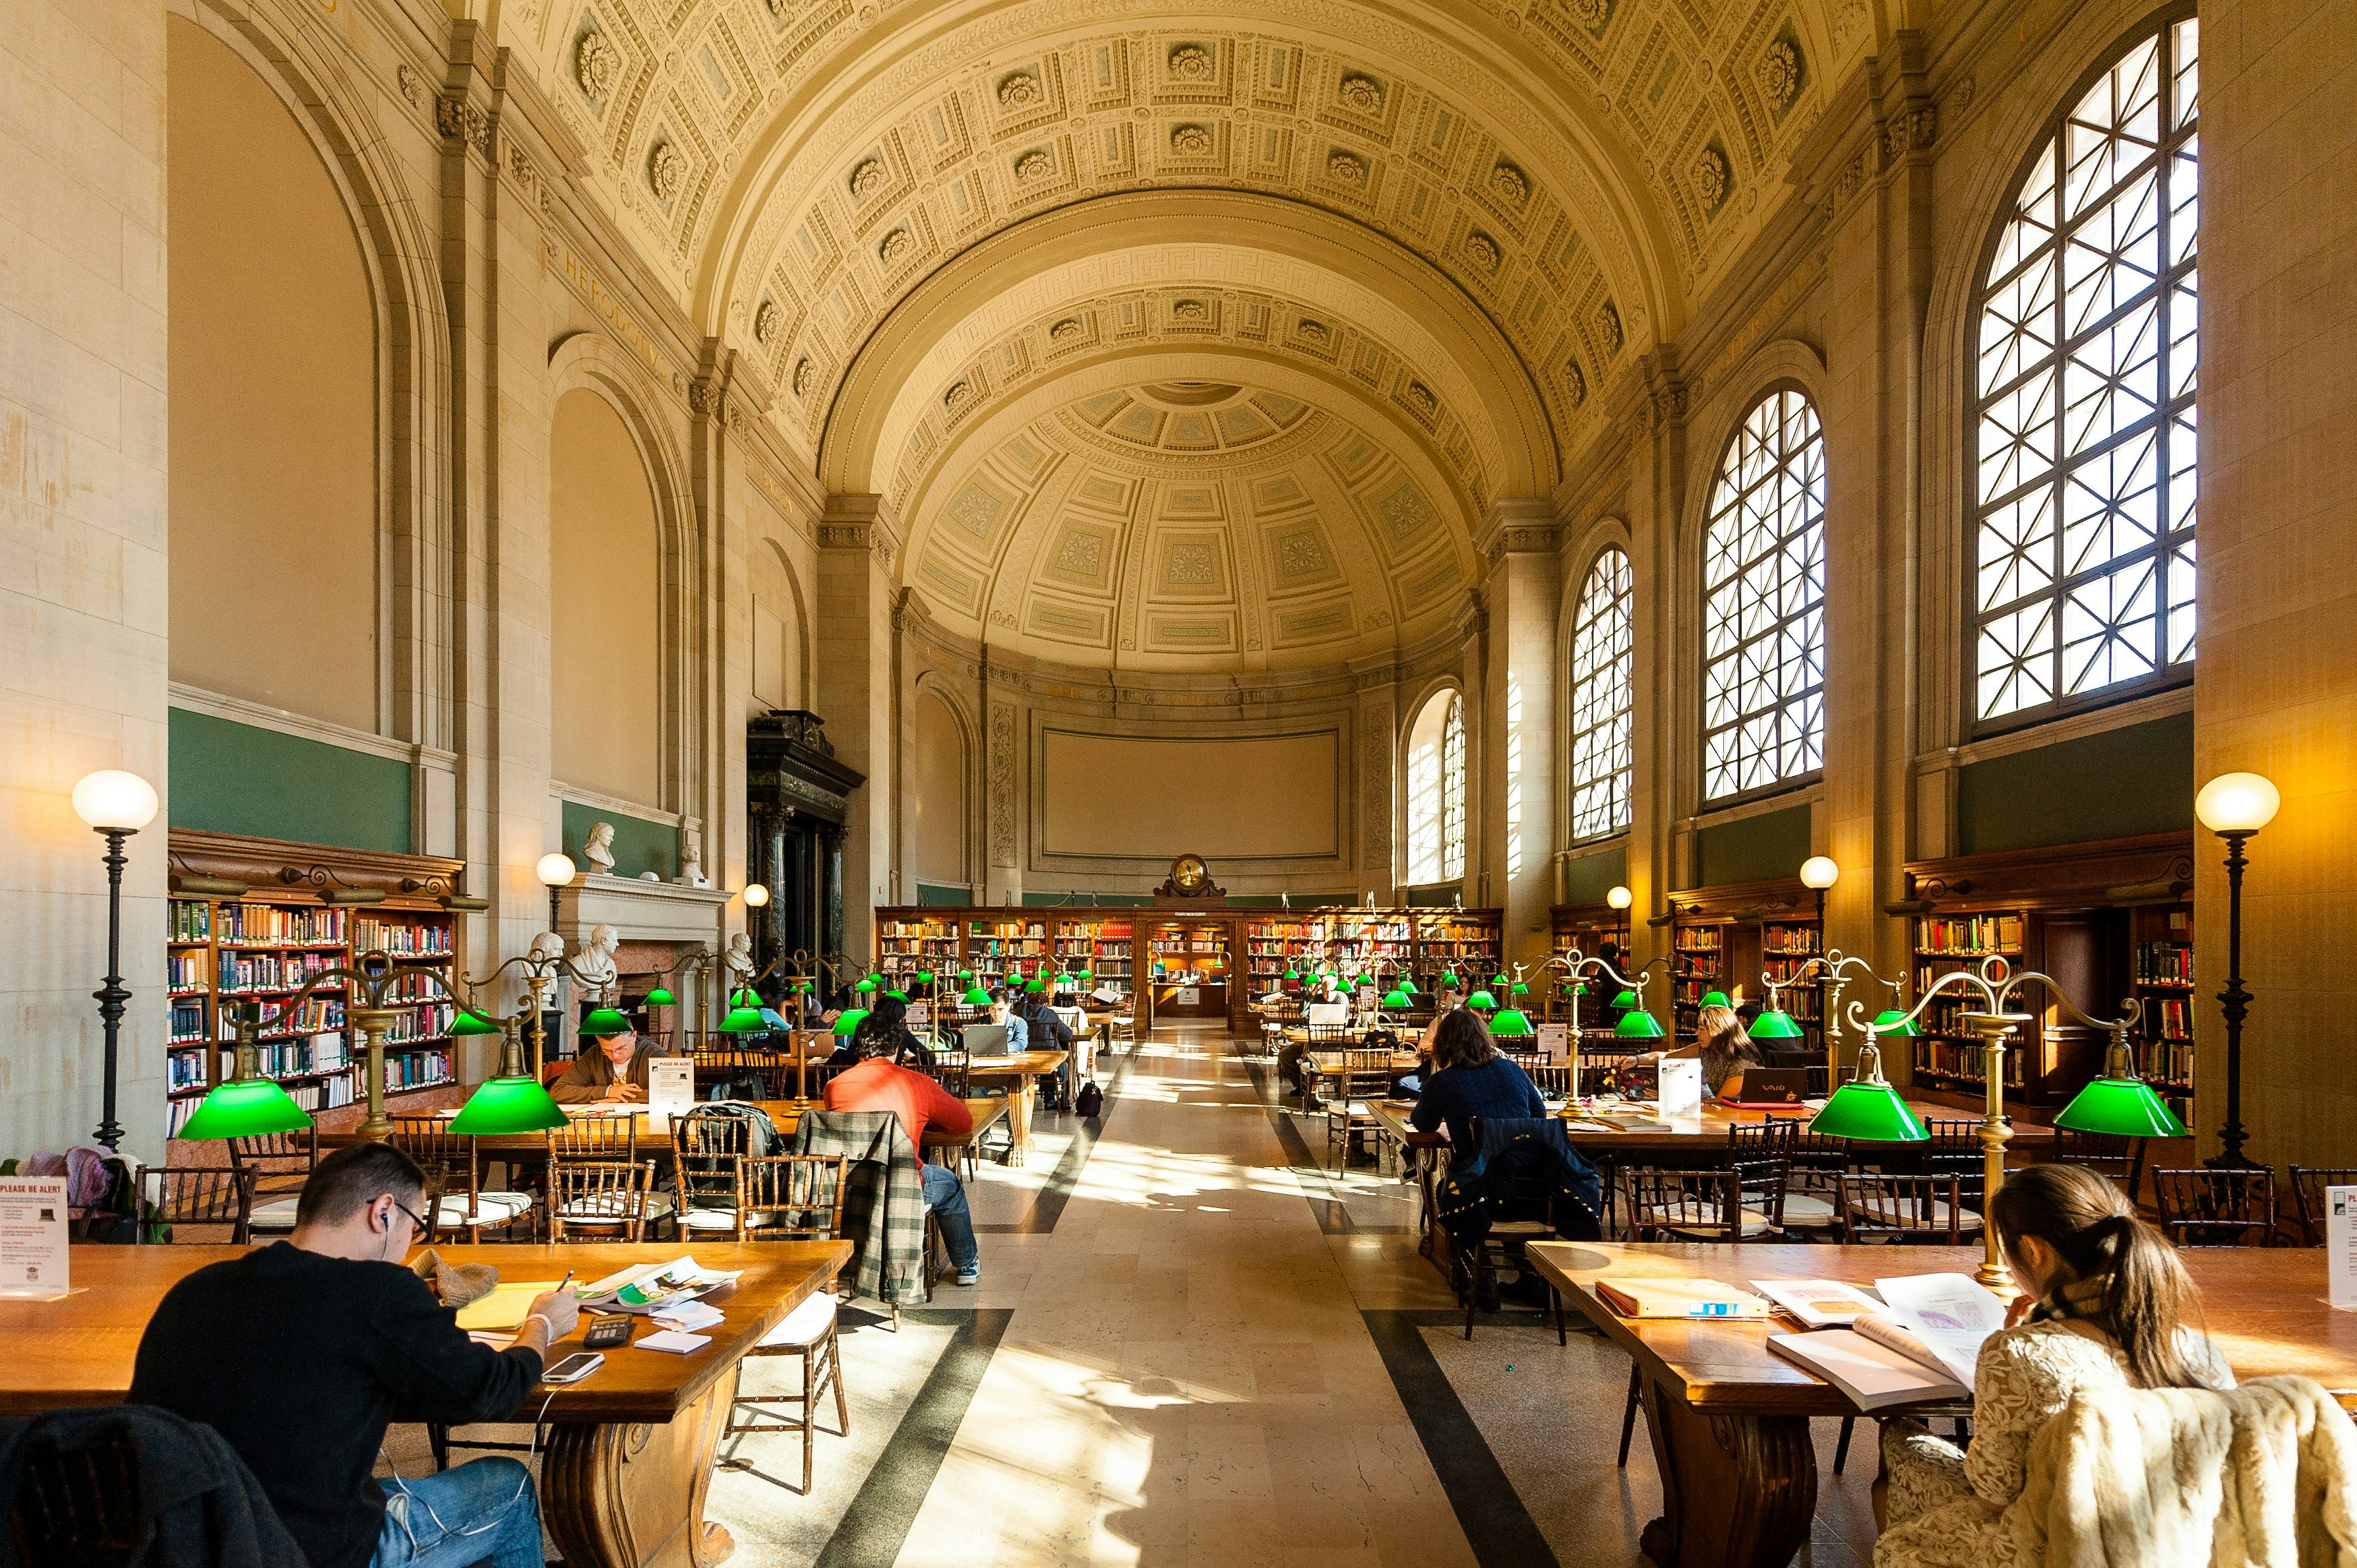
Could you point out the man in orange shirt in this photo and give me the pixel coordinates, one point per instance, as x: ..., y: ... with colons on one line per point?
x: 875, y: 1083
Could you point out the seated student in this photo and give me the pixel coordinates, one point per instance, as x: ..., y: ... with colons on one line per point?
x: 2102, y: 1306
x: 300, y: 1353
x: 877, y: 1083
x: 615, y: 1071
x: 888, y: 1022
x: 1005, y: 1012
x: 1412, y: 1084
x: 1470, y: 1078
x: 1045, y: 1031
x: 1723, y: 1047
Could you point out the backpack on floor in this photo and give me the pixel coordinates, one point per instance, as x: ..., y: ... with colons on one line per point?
x: 1091, y: 1102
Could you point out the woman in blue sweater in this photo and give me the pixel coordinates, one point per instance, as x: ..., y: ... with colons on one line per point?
x: 1470, y: 1080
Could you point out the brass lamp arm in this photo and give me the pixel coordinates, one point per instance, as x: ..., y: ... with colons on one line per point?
x: 1956, y: 980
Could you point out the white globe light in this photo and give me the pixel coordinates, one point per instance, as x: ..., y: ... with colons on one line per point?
x: 555, y: 870
x: 755, y: 895
x: 1619, y: 897
x: 111, y: 798
x: 2229, y: 803
x: 1819, y: 871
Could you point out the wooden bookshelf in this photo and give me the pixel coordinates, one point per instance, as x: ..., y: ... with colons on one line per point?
x: 2107, y: 919
x: 1735, y: 938
x: 1586, y: 928
x: 222, y: 952
x: 914, y: 944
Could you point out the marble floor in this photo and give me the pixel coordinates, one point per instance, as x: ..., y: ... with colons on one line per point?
x: 1193, y: 1344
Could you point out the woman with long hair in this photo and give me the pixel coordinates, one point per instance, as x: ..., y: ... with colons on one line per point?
x: 2103, y: 1303
x: 1725, y: 1047
x: 1470, y: 1077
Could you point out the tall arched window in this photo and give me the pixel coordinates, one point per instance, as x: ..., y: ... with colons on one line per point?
x: 1603, y: 702
x: 1436, y: 790
x: 1764, y: 603
x: 2083, y: 439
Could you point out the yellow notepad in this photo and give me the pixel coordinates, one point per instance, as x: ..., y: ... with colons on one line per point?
x: 504, y: 1308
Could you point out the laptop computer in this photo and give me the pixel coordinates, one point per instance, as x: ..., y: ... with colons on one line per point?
x: 1765, y: 1086
x: 984, y: 1039
x: 1328, y: 1014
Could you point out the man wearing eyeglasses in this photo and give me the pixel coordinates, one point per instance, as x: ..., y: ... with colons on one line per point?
x: 300, y: 1353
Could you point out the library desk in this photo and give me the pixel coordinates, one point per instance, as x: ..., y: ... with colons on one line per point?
x: 1025, y: 1067
x: 629, y: 1452
x: 1729, y: 1418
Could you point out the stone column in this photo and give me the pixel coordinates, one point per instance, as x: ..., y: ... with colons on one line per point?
x: 1519, y: 742
x: 858, y: 541
x: 1650, y: 406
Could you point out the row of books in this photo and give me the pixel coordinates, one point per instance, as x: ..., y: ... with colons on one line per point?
x: 430, y: 1021
x: 2164, y: 962
x: 185, y: 972
x: 191, y: 921
x: 248, y: 972
x: 1969, y: 936
x: 917, y: 929
x: 317, y: 1013
x: 1698, y: 938
x: 1951, y: 1058
x: 1034, y: 930
x: 2172, y: 1061
x: 375, y: 933
x: 270, y: 925
x: 2175, y: 1017
x: 188, y: 1020
x: 416, y: 1070
x: 309, y: 1055
x: 185, y: 1070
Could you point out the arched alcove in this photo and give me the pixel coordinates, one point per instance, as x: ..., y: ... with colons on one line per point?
x: 606, y: 605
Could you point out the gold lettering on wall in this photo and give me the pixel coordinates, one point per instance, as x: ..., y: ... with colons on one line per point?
x: 601, y: 301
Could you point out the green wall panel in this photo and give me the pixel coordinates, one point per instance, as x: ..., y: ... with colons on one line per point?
x: 2133, y: 780
x: 931, y: 893
x: 640, y: 847
x: 1588, y: 878
x: 1753, y: 849
x: 230, y: 777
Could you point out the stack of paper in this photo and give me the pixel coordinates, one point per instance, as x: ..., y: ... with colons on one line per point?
x: 672, y: 1341
x: 1678, y: 1298
x: 690, y: 1315
x: 1819, y: 1304
x: 1873, y: 1375
x: 653, y: 1287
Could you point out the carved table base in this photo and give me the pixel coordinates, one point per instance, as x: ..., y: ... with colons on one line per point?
x: 1737, y: 1490
x: 631, y: 1495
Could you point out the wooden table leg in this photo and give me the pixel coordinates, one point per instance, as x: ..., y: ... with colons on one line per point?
x: 1737, y: 1491
x: 623, y: 1495
x: 1018, y: 1120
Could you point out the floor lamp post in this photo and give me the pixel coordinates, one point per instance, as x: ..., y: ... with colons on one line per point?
x: 556, y: 873
x: 115, y: 804
x: 2234, y: 806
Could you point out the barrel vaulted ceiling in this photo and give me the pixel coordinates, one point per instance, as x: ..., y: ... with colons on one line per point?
x: 1444, y: 228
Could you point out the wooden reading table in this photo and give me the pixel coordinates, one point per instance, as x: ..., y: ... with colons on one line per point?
x: 630, y: 1448
x: 1729, y: 1417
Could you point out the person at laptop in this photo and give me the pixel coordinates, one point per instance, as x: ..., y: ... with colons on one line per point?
x: 875, y: 1083
x: 1724, y: 1048
x: 615, y: 1071
x: 1045, y: 1031
x: 300, y: 1353
x: 1004, y: 1013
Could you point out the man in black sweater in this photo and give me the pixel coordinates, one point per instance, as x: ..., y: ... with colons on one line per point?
x: 301, y: 1353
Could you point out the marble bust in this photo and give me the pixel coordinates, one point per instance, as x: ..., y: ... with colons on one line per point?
x: 594, y: 967
x: 691, y: 858
x: 739, y: 959
x: 547, y: 948
x: 599, y: 848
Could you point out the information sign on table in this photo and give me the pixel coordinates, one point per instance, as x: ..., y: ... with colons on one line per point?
x: 33, y: 1249
x: 2341, y: 1245
x: 1681, y: 1090
x: 1189, y: 996
x: 671, y: 1090
x: 1554, y: 1042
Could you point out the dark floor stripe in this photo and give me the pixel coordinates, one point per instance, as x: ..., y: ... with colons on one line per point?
x: 877, y: 1525
x: 1333, y: 1214
x: 1049, y: 1206
x: 1498, y: 1528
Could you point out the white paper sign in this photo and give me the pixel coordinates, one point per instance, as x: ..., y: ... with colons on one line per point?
x: 671, y: 1090
x: 33, y: 1251
x: 1554, y: 1042
x: 1681, y: 1092
x: 916, y: 1016
x: 1189, y: 996
x: 2341, y: 1245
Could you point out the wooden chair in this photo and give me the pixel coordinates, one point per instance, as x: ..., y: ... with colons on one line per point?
x: 2121, y: 1159
x: 1924, y: 1210
x: 1366, y: 1077
x: 1500, y: 1246
x: 1815, y: 1164
x: 80, y: 1507
x: 710, y: 1151
x: 599, y: 1195
x: 282, y: 1164
x: 1552, y: 1080
x: 1952, y: 1149
x: 172, y: 1198
x: 454, y: 1171
x: 609, y: 1140
x: 789, y: 1197
x: 2205, y: 1207
x: 1810, y: 1212
x: 951, y: 1067
x: 2307, y: 1184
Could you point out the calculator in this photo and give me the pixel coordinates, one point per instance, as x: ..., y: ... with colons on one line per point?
x: 607, y: 1332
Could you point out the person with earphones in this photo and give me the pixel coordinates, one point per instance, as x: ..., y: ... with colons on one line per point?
x: 300, y: 1353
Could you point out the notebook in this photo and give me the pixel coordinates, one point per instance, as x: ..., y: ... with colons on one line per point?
x: 1679, y: 1298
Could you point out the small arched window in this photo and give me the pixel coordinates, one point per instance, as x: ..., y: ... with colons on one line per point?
x: 1764, y: 603
x: 1435, y: 791
x: 1603, y: 701
x: 2082, y: 434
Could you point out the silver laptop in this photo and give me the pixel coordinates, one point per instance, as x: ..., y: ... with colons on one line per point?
x: 1324, y: 1015
x: 984, y: 1039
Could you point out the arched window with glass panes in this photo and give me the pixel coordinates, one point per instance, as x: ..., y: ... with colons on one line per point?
x: 1603, y: 705
x: 1764, y: 603
x: 2083, y: 381
x: 1436, y: 790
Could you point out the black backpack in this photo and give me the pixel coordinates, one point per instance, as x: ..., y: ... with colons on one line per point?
x: 1091, y: 1102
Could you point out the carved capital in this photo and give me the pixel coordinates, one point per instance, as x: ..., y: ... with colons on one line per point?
x: 459, y: 120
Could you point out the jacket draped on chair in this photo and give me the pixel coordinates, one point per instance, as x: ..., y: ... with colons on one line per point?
x: 882, y: 1198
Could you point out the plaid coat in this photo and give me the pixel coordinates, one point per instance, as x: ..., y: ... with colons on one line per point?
x: 882, y: 1198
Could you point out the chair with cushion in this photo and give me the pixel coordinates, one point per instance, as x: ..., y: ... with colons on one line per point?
x: 711, y: 1152
x: 1808, y: 1208
x: 599, y: 1196
x: 454, y: 1171
x: 2307, y: 1184
x: 798, y: 1197
x: 2206, y: 1207
x: 1921, y: 1210
x: 605, y: 1141
x: 282, y: 1164
x: 169, y: 1199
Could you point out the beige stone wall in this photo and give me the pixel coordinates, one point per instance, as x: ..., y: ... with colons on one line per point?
x: 605, y: 576
x: 2276, y: 688
x: 84, y: 601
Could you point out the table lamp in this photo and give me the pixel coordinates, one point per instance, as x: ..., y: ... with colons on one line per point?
x: 1868, y: 1108
x: 742, y: 1021
x: 1480, y: 1002
x: 514, y: 1101
x: 600, y: 1022
x: 1396, y: 997
x: 976, y: 996
x: 2119, y: 1103
x: 1509, y: 1022
x: 249, y: 1105
x: 1637, y: 1023
x: 660, y: 997
x: 1713, y: 999
x: 1775, y: 1023
x: 848, y: 1020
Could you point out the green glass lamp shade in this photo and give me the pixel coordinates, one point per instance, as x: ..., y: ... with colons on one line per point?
x: 2122, y: 1107
x: 899, y: 996
x: 1891, y: 1021
x: 1519, y: 989
x: 744, y: 998
x: 1713, y: 999
x: 1449, y: 980
x: 604, y: 1021
x: 510, y: 1105
x: 868, y: 985
x: 1481, y: 1000
x: 1869, y: 1110
x: 743, y: 1021
x: 924, y: 977
x: 1407, y: 984
x: 1638, y: 1025
x: 1034, y: 987
x: 1510, y: 1020
x: 659, y: 997
x: 1625, y: 1001
x: 965, y: 976
x: 849, y: 1020
x: 466, y: 1023
x: 1293, y: 974
x: 245, y: 1108
x: 1394, y: 997
x: 1775, y: 1025
x: 1065, y: 982
x: 1499, y: 981
x: 976, y: 996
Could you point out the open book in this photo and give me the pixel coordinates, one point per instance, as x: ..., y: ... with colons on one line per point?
x: 1871, y: 1373
x: 1819, y: 1304
x: 1927, y: 1346
x: 651, y: 1288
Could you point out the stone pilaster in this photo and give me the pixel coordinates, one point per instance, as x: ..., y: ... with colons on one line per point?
x: 858, y: 540
x: 1517, y: 783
